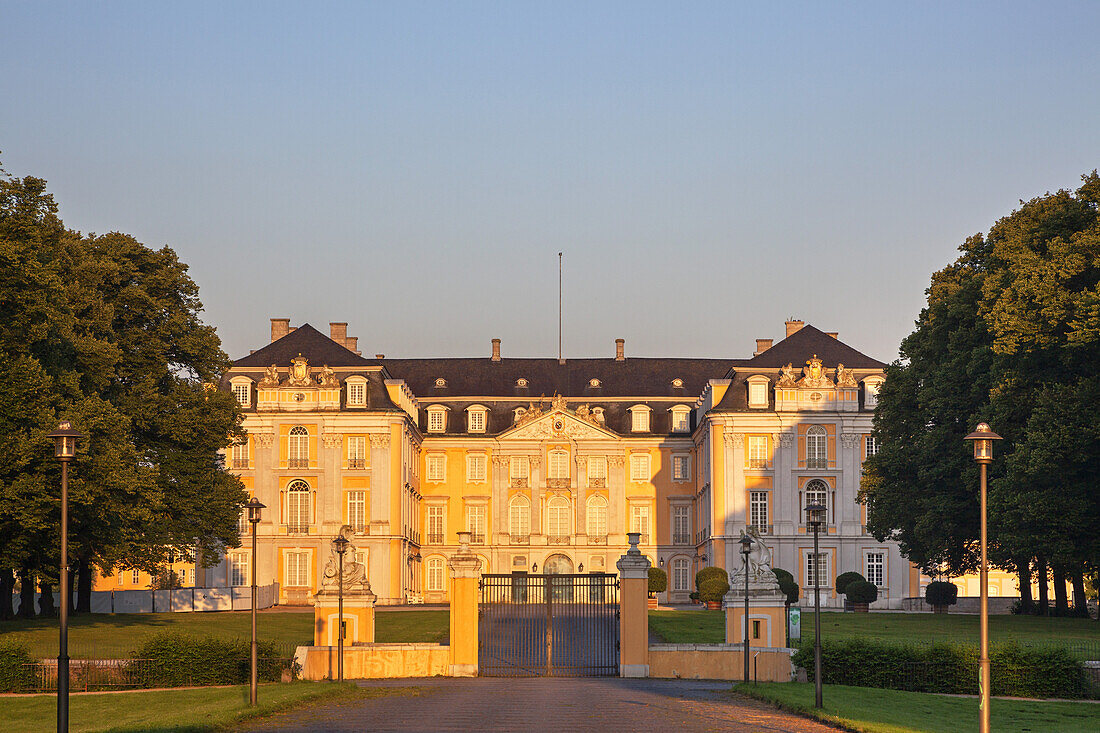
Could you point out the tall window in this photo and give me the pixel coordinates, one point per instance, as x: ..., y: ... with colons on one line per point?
x: 597, y: 471
x: 437, y: 421
x: 816, y: 450
x: 475, y: 524
x: 680, y: 422
x: 435, y: 525
x: 681, y: 468
x: 357, y: 510
x: 519, y: 469
x: 639, y: 521
x: 820, y: 569
x: 135, y: 577
x: 681, y: 524
x: 357, y: 393
x: 298, y: 447
x: 559, y: 465
x: 680, y: 574
x: 239, y: 569
x: 639, y: 419
x: 758, y: 394
x: 872, y: 445
x: 297, y: 506
x: 357, y: 451
x: 475, y: 467
x: 477, y: 421
x: 758, y: 451
x: 242, y: 392
x: 519, y: 518
x: 639, y: 467
x: 297, y: 569
x: 758, y: 510
x: 596, y: 516
x: 240, y: 454
x: 875, y: 572
x: 818, y: 491
x: 436, y: 466
x: 557, y: 517
x: 870, y: 395
x: 435, y: 573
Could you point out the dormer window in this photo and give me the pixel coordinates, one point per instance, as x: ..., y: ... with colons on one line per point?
x: 758, y: 391
x: 594, y: 383
x: 437, y: 419
x: 521, y: 383
x: 440, y: 383
x: 357, y: 391
x: 677, y: 383
x: 871, y: 386
x: 639, y: 419
x: 475, y: 419
x: 681, y: 422
x: 242, y: 390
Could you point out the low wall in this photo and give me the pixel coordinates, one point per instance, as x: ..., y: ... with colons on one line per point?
x: 998, y: 606
x: 236, y: 598
x: 719, y: 662
x: 375, y: 661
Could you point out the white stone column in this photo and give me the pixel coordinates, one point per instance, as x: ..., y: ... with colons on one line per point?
x: 616, y: 511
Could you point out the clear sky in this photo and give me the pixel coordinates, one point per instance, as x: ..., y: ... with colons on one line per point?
x: 414, y: 168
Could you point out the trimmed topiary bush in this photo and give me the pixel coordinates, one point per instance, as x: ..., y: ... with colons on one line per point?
x: 15, y: 676
x: 708, y: 573
x: 860, y: 591
x: 940, y: 594
x: 713, y: 590
x: 787, y: 584
x: 172, y: 659
x: 658, y: 580
x: 844, y: 579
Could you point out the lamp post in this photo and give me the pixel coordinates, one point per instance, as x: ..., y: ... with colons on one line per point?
x: 64, y: 441
x: 983, y: 439
x: 815, y: 516
x: 253, y: 506
x: 746, y: 548
x: 341, y: 546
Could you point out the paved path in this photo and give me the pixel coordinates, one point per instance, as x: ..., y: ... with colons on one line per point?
x: 603, y: 705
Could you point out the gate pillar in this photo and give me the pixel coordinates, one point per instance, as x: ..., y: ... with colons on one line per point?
x: 633, y: 611
x: 465, y: 567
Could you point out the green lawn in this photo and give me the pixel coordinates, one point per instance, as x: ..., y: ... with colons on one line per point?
x: 891, y: 711
x: 116, y: 635
x: 688, y: 627
x: 205, y: 709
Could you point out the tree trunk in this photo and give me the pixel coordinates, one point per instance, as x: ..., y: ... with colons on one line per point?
x: 1044, y: 593
x: 1080, y: 602
x: 26, y: 594
x: 7, y: 587
x: 84, y: 574
x: 46, y: 606
x: 1027, y: 605
x: 1061, y: 603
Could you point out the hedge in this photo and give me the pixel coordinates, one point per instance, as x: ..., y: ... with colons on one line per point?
x: 173, y: 659
x: 948, y: 668
x: 15, y: 676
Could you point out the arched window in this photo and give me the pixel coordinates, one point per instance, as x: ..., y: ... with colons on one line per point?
x: 816, y: 451
x: 557, y: 517
x: 681, y: 567
x: 596, y: 516
x: 435, y: 573
x: 297, y: 451
x: 519, y: 517
x: 816, y: 490
x: 297, y: 506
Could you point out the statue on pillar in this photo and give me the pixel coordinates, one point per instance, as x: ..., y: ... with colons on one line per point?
x: 355, y: 573
x: 761, y: 577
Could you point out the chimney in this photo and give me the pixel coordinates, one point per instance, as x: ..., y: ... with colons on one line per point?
x: 793, y: 327
x: 762, y: 345
x: 496, y: 350
x: 279, y: 327
x: 620, y: 349
x: 379, y: 356
x: 338, y: 332
x: 834, y: 334
x: 350, y: 343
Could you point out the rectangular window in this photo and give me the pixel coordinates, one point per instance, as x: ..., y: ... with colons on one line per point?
x: 436, y: 466
x: 519, y: 467
x: 240, y: 454
x: 758, y: 394
x: 559, y: 465
x: 357, y: 510
x: 475, y: 524
x: 477, y: 421
x: 681, y: 574
x: 436, y: 421
x: 681, y: 468
x: 681, y: 524
x: 872, y: 445
x: 357, y: 451
x: 639, y: 420
x: 135, y: 577
x: 758, y: 510
x: 121, y: 578
x: 680, y: 421
x: 597, y: 470
x: 875, y: 572
x: 242, y: 392
x: 639, y: 467
x: 639, y: 521
x: 297, y: 569
x: 240, y: 569
x: 758, y: 451
x: 435, y: 574
x: 357, y: 393
x: 822, y: 569
x: 475, y: 467
x: 435, y: 525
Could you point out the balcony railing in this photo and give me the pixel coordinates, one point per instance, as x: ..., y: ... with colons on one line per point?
x: 435, y: 539
x: 297, y: 529
x: 297, y: 463
x: 240, y: 463
x: 477, y: 538
x: 557, y: 539
x: 817, y: 463
x: 519, y: 482
x: 761, y: 528
x: 681, y: 539
x: 357, y: 463
x: 758, y: 463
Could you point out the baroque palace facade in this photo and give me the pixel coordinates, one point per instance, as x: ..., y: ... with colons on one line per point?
x: 550, y: 463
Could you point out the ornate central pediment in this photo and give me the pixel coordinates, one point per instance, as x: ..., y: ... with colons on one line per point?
x: 557, y: 423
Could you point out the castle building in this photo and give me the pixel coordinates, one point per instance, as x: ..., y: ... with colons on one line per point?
x: 550, y: 463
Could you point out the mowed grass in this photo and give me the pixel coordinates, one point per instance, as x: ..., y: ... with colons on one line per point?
x: 113, y: 636
x: 892, y: 711
x: 202, y: 709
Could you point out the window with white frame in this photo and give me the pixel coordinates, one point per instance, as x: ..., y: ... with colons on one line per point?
x: 871, y: 443
x: 639, y: 419
x: 297, y: 449
x: 875, y: 569
x: 758, y: 510
x: 639, y: 467
x: 357, y: 510
x: 297, y: 506
x: 557, y: 517
x: 475, y: 524
x: 681, y: 468
x: 240, y: 454
x: 437, y: 420
x: 816, y: 570
x: 758, y: 391
x: 519, y: 468
x: 681, y: 573
x: 681, y: 419
x: 596, y: 516
x: 239, y: 569
x: 558, y: 467
x: 818, y: 491
x: 435, y: 525
x: 476, y: 419
x: 135, y: 577
x: 297, y: 569
x: 475, y: 467
x: 243, y: 392
x: 519, y: 517
x: 870, y: 393
x: 437, y: 466
x: 357, y: 392
x: 681, y: 524
x: 435, y: 574
x: 242, y: 522
x: 596, y: 470
x: 639, y: 520
x: 121, y: 578
x: 758, y: 451
x: 357, y: 451
x: 816, y: 447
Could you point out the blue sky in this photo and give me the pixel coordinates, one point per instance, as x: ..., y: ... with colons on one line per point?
x: 414, y: 168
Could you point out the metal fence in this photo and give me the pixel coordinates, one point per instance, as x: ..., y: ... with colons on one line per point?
x: 98, y: 675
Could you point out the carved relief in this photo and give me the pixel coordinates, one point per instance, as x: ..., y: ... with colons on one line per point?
x: 844, y: 377
x: 616, y: 461
x: 328, y: 377
x: 271, y: 377
x: 558, y: 402
x: 815, y: 375
x: 735, y: 440
x: 849, y: 440
x: 265, y: 439
x: 380, y: 441
x: 299, y: 372
x: 787, y: 376
x: 332, y: 440
x: 786, y: 440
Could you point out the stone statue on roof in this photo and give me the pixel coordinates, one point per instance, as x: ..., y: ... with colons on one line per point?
x: 815, y: 377
x: 271, y: 377
x: 299, y: 372
x: 844, y: 377
x: 328, y: 377
x: 787, y: 376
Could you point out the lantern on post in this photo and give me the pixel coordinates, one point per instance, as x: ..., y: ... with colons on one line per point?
x: 340, y: 544
x: 64, y: 441
x: 815, y: 517
x: 746, y: 549
x: 254, y: 508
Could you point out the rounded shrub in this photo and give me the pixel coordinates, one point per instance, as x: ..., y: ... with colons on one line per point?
x: 658, y: 580
x: 941, y: 593
x: 861, y: 591
x: 709, y: 573
x: 713, y: 589
x: 787, y: 584
x: 16, y: 675
x: 844, y: 579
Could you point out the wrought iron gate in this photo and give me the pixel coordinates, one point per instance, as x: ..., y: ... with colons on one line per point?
x: 559, y: 625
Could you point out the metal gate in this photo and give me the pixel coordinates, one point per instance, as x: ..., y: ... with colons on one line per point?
x: 559, y: 625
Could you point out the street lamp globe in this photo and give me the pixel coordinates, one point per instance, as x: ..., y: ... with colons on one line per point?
x: 254, y: 508
x: 815, y: 513
x: 341, y: 544
x: 64, y: 441
x: 983, y: 439
x: 746, y: 545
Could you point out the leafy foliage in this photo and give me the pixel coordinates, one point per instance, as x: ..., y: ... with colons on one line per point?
x: 658, y: 580
x: 713, y: 589
x: 844, y: 579
x: 15, y: 675
x: 860, y: 591
x: 176, y: 659
x: 941, y: 593
x: 787, y: 584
